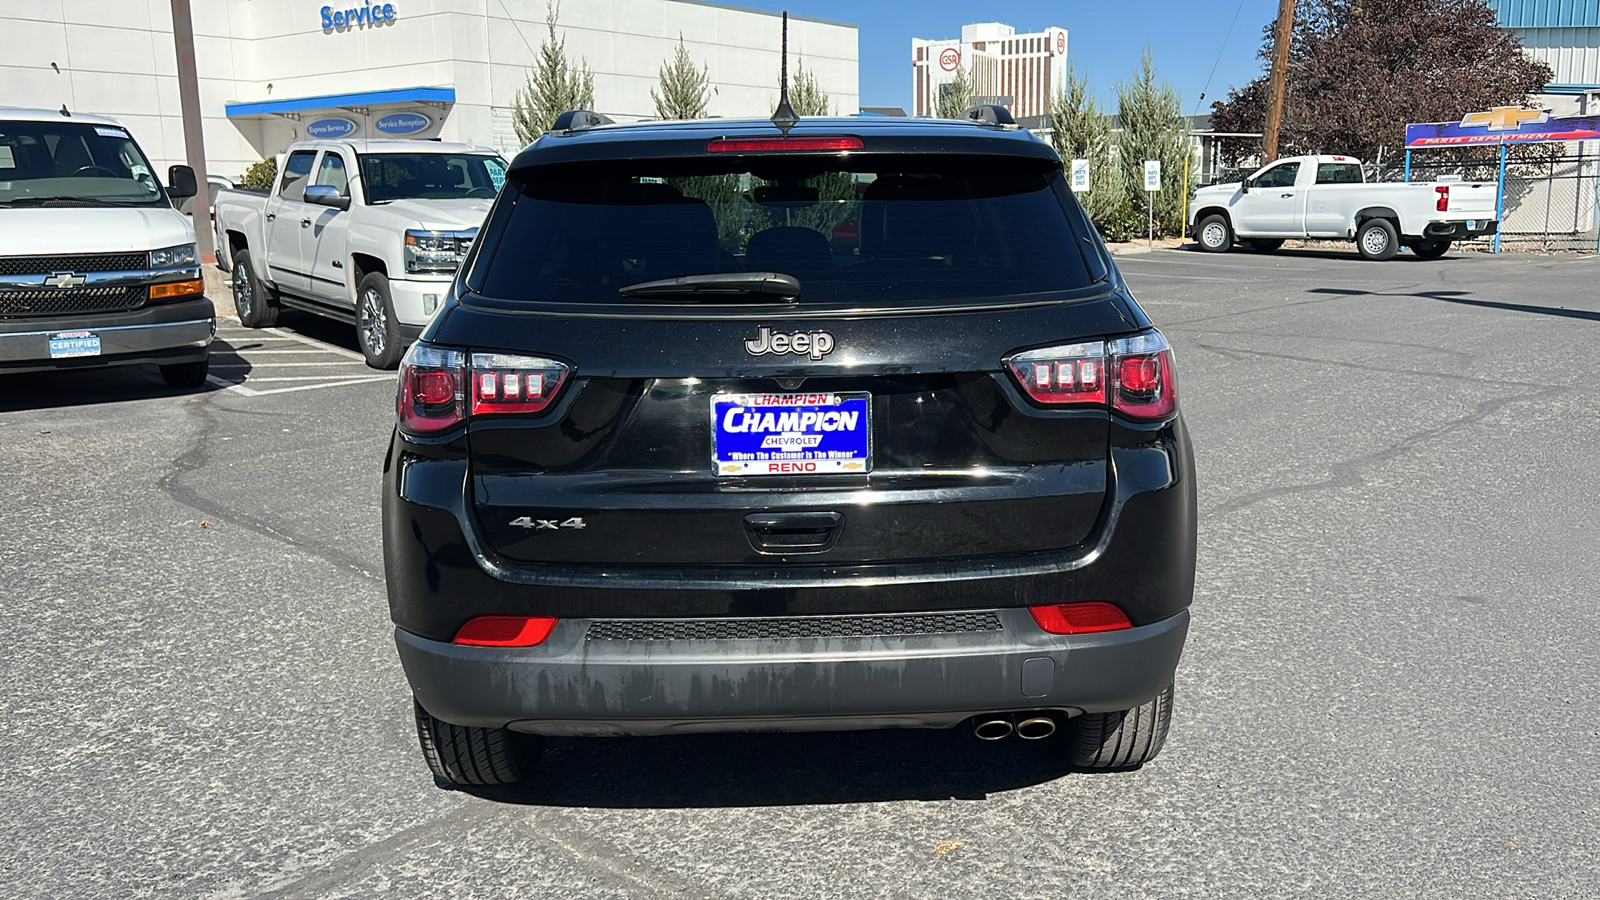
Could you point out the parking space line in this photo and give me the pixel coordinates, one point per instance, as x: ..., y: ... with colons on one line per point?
x: 313, y: 342
x: 267, y: 352
x: 286, y: 365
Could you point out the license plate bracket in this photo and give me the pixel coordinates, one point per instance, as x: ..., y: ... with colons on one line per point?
x: 791, y: 434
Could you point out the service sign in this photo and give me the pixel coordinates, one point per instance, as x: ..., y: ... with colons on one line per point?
x: 1080, y: 175
x: 1503, y: 125
x: 1152, y: 174
x: 325, y: 129
x: 402, y: 123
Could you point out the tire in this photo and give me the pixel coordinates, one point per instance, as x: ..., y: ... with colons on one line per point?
x: 1214, y: 235
x: 1430, y: 249
x: 1377, y: 240
x: 255, y: 303
x: 1264, y: 245
x: 186, y: 375
x: 461, y: 755
x: 1121, y: 740
x: 377, y: 331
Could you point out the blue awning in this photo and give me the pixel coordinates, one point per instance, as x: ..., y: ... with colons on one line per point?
x: 342, y: 101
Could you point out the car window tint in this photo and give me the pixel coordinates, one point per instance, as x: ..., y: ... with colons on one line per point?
x: 860, y: 229
x: 331, y: 173
x: 295, y: 170
x: 1338, y: 173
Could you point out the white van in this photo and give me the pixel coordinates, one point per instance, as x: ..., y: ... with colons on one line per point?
x: 96, y: 267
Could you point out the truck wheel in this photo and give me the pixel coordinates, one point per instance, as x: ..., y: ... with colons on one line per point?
x: 376, y: 328
x: 1430, y: 249
x: 474, y: 756
x: 252, y: 300
x: 1264, y: 245
x: 1214, y: 234
x: 186, y: 375
x: 1377, y: 240
x: 1121, y: 740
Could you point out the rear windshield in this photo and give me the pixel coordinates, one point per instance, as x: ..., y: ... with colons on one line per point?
x: 851, y: 229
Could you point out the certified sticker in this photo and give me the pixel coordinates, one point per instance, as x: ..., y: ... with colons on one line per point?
x: 69, y: 344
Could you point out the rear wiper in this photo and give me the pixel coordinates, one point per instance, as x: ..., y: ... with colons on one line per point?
x: 725, y: 287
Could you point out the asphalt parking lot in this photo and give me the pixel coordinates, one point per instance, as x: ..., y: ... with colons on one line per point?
x: 1391, y: 689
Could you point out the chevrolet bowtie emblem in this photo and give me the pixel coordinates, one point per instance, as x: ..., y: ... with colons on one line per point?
x: 1505, y: 118
x: 65, y: 280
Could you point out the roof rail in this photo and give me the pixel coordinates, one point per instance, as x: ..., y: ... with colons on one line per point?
x: 578, y: 120
x: 989, y: 114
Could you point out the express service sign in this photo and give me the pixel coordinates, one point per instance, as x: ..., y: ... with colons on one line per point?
x: 1503, y: 125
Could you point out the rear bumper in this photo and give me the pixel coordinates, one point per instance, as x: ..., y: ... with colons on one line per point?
x: 572, y: 685
x: 170, y: 333
x: 1458, y: 231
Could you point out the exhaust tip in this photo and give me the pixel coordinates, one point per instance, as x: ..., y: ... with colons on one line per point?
x: 1036, y: 728
x: 993, y: 729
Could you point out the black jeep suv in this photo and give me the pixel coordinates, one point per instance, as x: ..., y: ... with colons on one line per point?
x: 729, y: 427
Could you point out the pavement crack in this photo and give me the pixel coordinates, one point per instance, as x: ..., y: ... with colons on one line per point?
x: 198, y: 456
x: 612, y: 868
x: 1348, y: 473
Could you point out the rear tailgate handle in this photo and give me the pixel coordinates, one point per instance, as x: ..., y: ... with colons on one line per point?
x: 797, y: 532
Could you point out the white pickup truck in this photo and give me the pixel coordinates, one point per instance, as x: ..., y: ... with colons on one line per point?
x: 1327, y: 198
x: 368, y: 232
x: 96, y: 267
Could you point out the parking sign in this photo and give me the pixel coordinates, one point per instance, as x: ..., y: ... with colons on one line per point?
x: 1080, y: 175
x: 1152, y: 174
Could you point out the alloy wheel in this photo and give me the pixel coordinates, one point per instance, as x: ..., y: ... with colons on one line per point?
x: 374, y: 324
x: 242, y: 299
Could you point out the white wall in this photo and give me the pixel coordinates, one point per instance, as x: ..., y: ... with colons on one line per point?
x: 116, y: 58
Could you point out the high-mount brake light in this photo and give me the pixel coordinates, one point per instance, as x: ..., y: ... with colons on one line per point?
x: 430, y: 397
x: 1443, y: 205
x: 505, y: 631
x: 1134, y: 374
x: 768, y: 145
x: 1080, y: 618
x: 511, y: 383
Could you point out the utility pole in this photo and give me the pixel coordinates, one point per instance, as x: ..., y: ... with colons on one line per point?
x: 1282, y: 36
x: 194, y: 143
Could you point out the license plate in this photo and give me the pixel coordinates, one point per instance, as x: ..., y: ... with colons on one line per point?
x: 69, y: 344
x: 1472, y: 223
x: 791, y: 434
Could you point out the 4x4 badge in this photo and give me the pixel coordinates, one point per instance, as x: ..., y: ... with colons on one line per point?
x: 816, y: 343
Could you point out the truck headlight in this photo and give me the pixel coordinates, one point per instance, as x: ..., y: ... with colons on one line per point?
x: 174, y: 257
x: 436, y: 252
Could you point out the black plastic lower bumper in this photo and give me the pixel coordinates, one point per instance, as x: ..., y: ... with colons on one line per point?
x: 572, y: 685
x: 170, y: 333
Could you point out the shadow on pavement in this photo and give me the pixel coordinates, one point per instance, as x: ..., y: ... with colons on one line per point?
x: 1465, y: 298
x: 717, y: 770
x: 88, y: 385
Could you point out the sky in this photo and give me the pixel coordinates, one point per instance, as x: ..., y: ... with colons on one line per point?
x: 1104, y: 38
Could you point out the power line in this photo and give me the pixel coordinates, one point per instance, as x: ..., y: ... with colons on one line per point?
x: 1236, y: 11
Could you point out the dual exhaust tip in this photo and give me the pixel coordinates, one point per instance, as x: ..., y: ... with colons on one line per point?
x: 1028, y: 726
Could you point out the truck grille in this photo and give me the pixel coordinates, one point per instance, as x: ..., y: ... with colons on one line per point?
x: 84, y: 262
x: 51, y: 302
x: 775, y: 628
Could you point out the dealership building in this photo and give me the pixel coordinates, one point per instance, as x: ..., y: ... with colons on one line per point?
x: 275, y: 71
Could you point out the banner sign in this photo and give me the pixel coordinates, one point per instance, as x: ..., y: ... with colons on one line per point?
x: 1503, y: 125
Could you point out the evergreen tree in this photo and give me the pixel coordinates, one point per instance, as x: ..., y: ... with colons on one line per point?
x: 684, y: 89
x: 805, y: 95
x: 554, y: 86
x: 1079, y: 129
x: 955, y: 98
x: 1153, y: 128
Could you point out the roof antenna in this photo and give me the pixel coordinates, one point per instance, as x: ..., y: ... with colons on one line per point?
x: 784, y: 116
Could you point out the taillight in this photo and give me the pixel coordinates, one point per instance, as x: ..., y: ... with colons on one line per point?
x: 1080, y: 618
x: 1145, y: 387
x: 1071, y: 373
x: 505, y: 631
x: 1134, y: 374
x: 430, y: 397
x: 1443, y: 205
x: 508, y: 383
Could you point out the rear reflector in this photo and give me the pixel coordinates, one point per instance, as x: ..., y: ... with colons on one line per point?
x: 177, y: 289
x: 1080, y: 618
x: 770, y: 145
x: 505, y: 631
